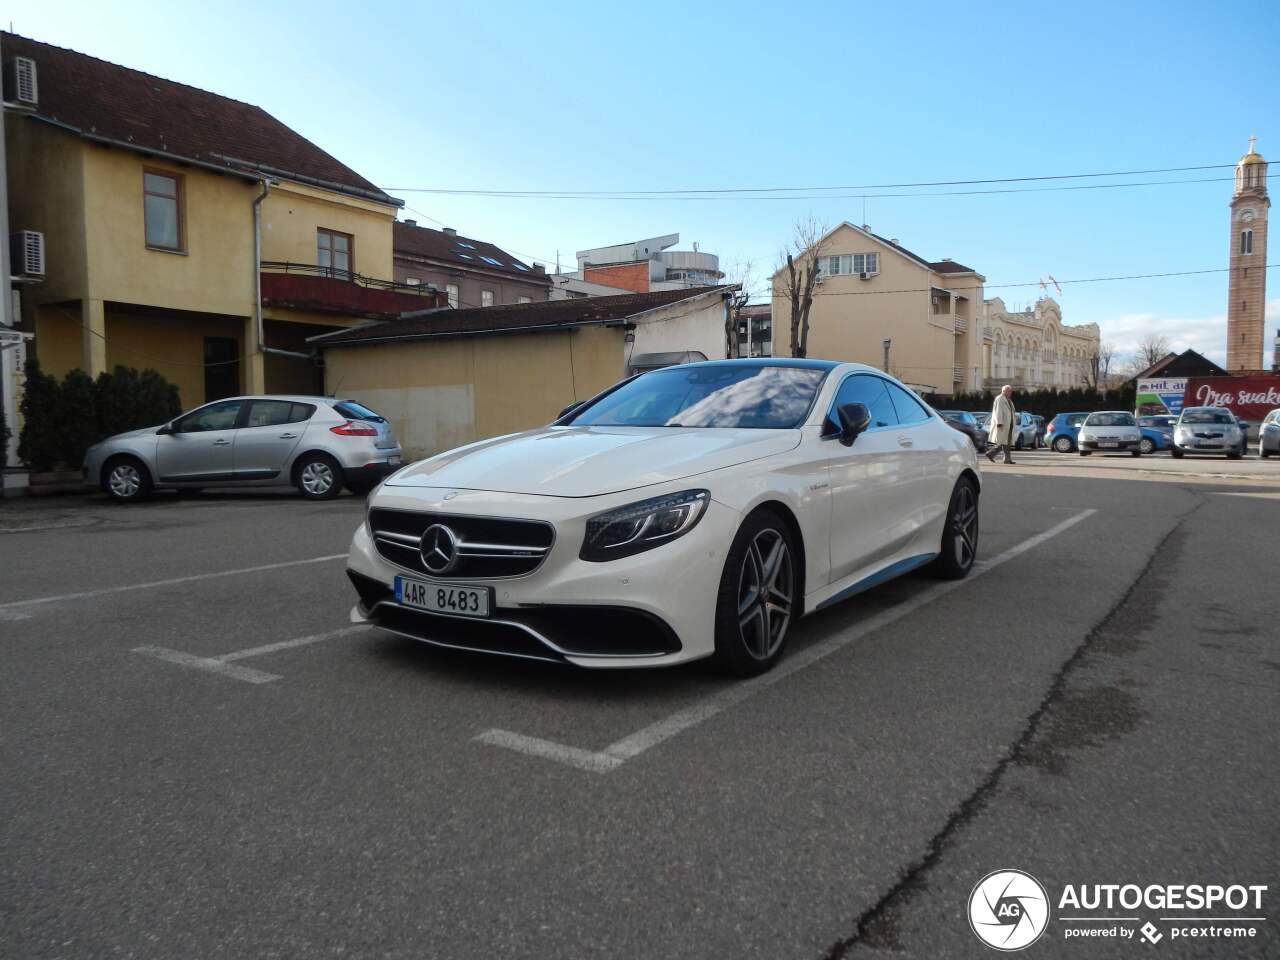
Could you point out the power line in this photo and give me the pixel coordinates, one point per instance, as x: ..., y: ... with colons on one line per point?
x: 622, y: 197
x: 1031, y: 283
x: 560, y: 194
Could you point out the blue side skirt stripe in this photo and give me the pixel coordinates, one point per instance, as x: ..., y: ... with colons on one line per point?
x: 879, y: 577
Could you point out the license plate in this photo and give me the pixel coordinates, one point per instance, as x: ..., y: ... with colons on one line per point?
x: 443, y: 598
x: 1108, y: 443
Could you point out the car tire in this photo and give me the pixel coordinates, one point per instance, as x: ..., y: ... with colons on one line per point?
x: 361, y: 489
x: 1135, y: 453
x: 126, y: 479
x: 1235, y: 455
x: 1263, y: 452
x: 959, y: 547
x: 1085, y: 453
x: 1146, y: 446
x: 1017, y: 444
x: 751, y: 629
x: 318, y: 476
x: 1062, y: 444
x: 1175, y: 452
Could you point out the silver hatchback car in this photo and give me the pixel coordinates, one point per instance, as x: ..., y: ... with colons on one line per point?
x: 1269, y: 434
x: 318, y: 444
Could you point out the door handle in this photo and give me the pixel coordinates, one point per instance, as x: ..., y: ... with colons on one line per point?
x: 904, y: 441
x: 288, y: 436
x: 221, y: 443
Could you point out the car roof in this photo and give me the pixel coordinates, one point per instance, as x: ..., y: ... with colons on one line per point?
x: 804, y: 363
x: 1215, y: 409
x: 291, y: 397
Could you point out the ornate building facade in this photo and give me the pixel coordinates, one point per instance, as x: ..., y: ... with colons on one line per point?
x: 1247, y: 288
x: 1032, y: 349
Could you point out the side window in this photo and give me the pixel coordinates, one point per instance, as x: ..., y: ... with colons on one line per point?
x: 216, y: 416
x: 870, y: 391
x: 274, y: 413
x: 909, y: 409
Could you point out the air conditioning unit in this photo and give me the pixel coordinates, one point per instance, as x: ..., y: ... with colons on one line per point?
x: 864, y: 275
x: 20, y: 82
x: 26, y: 253
x: 819, y: 280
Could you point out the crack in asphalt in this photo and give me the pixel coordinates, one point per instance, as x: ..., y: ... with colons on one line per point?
x: 871, y: 923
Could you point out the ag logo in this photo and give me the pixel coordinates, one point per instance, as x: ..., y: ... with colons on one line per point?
x: 1008, y: 910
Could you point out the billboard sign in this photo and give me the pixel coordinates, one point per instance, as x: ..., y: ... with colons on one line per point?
x: 1250, y: 397
x: 1160, y: 395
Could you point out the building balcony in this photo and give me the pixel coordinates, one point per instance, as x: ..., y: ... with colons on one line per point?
x: 957, y: 374
x: 988, y: 334
x: 303, y: 286
x: 961, y: 324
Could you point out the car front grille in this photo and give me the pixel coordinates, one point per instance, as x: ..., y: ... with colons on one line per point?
x: 487, y: 547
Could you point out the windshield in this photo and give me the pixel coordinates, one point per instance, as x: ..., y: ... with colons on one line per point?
x: 357, y: 411
x: 1207, y: 416
x: 724, y: 395
x: 1110, y: 420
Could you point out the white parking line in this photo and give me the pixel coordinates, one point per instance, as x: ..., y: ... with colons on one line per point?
x: 212, y: 665
x: 224, y: 664
x: 85, y: 594
x: 631, y: 746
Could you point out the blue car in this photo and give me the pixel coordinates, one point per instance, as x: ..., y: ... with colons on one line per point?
x: 1063, y: 430
x: 1157, y: 433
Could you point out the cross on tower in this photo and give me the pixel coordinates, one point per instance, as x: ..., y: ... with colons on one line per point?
x: 1251, y: 143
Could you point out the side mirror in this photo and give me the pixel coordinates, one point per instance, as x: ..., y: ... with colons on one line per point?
x: 165, y: 430
x: 854, y: 418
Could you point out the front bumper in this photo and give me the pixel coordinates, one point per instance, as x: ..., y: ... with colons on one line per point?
x: 1116, y: 445
x: 650, y: 609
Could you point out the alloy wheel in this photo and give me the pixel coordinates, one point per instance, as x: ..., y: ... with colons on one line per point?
x: 1062, y: 444
x: 1146, y: 446
x: 964, y: 527
x: 124, y: 480
x: 766, y: 586
x: 316, y: 478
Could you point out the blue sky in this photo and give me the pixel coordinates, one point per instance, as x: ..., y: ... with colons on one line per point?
x: 674, y: 95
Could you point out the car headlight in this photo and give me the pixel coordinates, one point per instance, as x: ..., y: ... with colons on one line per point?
x: 644, y: 525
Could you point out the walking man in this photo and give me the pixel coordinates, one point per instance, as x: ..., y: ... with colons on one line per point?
x: 1000, y: 434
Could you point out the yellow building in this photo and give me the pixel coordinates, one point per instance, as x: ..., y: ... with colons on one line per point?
x: 187, y: 232
x: 871, y: 290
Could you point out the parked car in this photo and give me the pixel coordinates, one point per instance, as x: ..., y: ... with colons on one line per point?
x: 966, y: 423
x: 1157, y: 433
x: 1040, y: 429
x: 1208, y: 430
x: 1062, y: 432
x: 588, y: 541
x: 1269, y: 434
x: 1024, y: 432
x: 1244, y: 435
x: 318, y: 444
x: 1108, y: 430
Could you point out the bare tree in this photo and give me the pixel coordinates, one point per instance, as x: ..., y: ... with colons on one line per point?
x: 799, y: 275
x: 1100, y: 365
x: 741, y: 275
x: 1151, y: 348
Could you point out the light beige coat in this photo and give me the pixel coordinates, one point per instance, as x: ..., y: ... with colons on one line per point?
x: 1002, y: 420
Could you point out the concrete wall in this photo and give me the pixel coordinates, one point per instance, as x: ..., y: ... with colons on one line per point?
x: 681, y: 327
x: 442, y: 393
x: 172, y: 346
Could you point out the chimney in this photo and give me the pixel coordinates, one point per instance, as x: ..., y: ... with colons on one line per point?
x: 539, y: 268
x: 894, y: 241
x: 1275, y: 358
x: 449, y: 231
x: 411, y: 223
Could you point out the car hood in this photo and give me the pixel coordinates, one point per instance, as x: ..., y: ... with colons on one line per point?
x: 132, y: 434
x: 590, y: 461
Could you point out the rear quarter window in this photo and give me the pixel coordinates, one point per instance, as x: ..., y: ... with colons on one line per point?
x: 357, y: 411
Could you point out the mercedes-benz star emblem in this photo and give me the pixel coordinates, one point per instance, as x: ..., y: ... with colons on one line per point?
x: 439, y: 549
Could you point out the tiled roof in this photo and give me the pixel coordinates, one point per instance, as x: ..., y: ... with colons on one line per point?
x: 950, y: 266
x: 1189, y: 363
x: 467, y: 253
x: 513, y: 317
x: 105, y: 101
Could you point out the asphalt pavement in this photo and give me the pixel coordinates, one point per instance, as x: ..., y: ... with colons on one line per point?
x: 202, y: 759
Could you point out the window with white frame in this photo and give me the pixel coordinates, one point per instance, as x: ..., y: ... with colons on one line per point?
x: 486, y: 298
x: 524, y: 299
x: 836, y: 264
x: 451, y: 290
x: 412, y: 281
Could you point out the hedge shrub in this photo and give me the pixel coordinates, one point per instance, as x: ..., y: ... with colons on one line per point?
x: 62, y: 420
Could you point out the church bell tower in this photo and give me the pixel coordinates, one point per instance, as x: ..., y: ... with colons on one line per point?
x: 1247, y: 288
